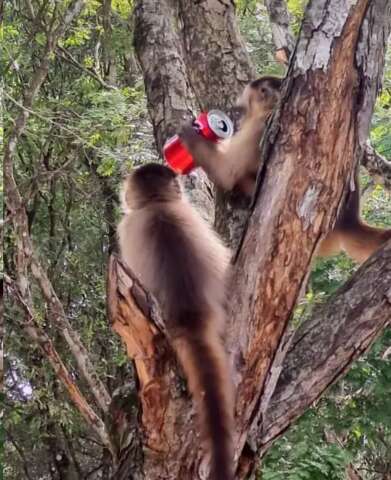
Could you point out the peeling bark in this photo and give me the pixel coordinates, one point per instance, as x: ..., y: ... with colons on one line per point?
x: 303, y: 201
x: 321, y: 352
x: 285, y: 150
x: 168, y: 439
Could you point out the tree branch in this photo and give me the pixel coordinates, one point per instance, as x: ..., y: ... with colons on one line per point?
x: 325, y: 346
x: 378, y: 166
x: 302, y: 202
x: 68, y: 57
x: 283, y: 38
x: 136, y: 318
x: 297, y: 199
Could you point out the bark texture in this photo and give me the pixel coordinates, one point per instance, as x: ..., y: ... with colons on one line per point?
x: 297, y: 150
x: 160, y: 52
x: 280, y: 23
x: 218, y: 67
x: 217, y: 62
x: 324, y: 348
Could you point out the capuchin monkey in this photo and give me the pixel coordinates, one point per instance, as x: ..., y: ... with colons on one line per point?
x: 181, y: 261
x: 351, y: 234
x: 233, y: 163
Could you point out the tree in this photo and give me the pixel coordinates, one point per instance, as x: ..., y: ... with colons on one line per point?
x: 177, y: 75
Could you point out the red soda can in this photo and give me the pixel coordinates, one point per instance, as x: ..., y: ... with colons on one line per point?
x: 214, y: 125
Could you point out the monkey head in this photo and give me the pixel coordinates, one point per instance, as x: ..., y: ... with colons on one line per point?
x: 150, y: 183
x: 259, y: 97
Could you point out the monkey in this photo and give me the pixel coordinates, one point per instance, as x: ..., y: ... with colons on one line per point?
x: 184, y: 264
x: 351, y: 234
x: 233, y: 163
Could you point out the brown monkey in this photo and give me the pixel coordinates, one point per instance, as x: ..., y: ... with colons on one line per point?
x: 182, y: 262
x: 234, y: 163
x: 351, y: 234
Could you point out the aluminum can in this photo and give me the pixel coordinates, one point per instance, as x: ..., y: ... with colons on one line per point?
x: 214, y: 126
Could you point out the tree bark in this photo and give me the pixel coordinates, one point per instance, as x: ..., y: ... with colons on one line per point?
x: 214, y: 50
x: 319, y: 87
x: 160, y: 52
x: 218, y: 67
x: 323, y: 348
x: 171, y: 100
x: 280, y: 23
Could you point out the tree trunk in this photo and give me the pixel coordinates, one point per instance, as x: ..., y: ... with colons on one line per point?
x: 217, y: 62
x: 280, y: 24
x: 171, y: 101
x: 219, y: 68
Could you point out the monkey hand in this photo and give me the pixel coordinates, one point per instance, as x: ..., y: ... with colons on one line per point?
x: 188, y: 135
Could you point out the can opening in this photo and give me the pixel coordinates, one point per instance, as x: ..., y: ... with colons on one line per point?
x: 220, y: 124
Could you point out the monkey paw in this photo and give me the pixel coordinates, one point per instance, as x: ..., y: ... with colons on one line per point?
x: 188, y: 134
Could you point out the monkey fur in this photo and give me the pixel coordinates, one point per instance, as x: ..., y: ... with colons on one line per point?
x: 233, y: 163
x: 351, y: 234
x: 181, y: 261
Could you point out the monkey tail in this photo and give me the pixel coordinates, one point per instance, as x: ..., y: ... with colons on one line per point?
x: 205, y: 364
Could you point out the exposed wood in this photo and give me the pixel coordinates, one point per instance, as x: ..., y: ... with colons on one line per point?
x: 302, y: 202
x: 322, y: 349
x: 141, y: 338
x: 167, y: 437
